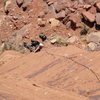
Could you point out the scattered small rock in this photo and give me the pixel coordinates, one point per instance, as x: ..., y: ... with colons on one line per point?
x: 41, y: 22
x: 68, y: 24
x: 19, y: 2
x: 72, y: 39
x: 45, y: 93
x: 72, y: 10
x: 59, y: 6
x: 2, y: 48
x: 34, y: 47
x: 75, y: 20
x: 50, y: 3
x: 98, y: 18
x: 93, y: 37
x: 60, y: 15
x: 87, y: 6
x: 84, y: 30
x: 43, y: 36
x: 7, y: 5
x: 88, y: 16
x: 92, y: 46
x: 41, y: 15
x: 54, y: 22
x: 28, y: 46
x: 67, y: 11
x: 26, y: 5
x: 59, y: 40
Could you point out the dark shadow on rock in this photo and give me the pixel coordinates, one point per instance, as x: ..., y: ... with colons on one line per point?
x: 24, y: 8
x: 97, y: 27
x: 73, y: 25
x: 89, y: 24
x: 7, y: 12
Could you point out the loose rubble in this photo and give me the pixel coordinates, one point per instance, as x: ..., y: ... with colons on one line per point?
x: 80, y: 17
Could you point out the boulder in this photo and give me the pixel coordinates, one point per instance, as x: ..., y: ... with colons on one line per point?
x: 98, y: 18
x: 88, y: 16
